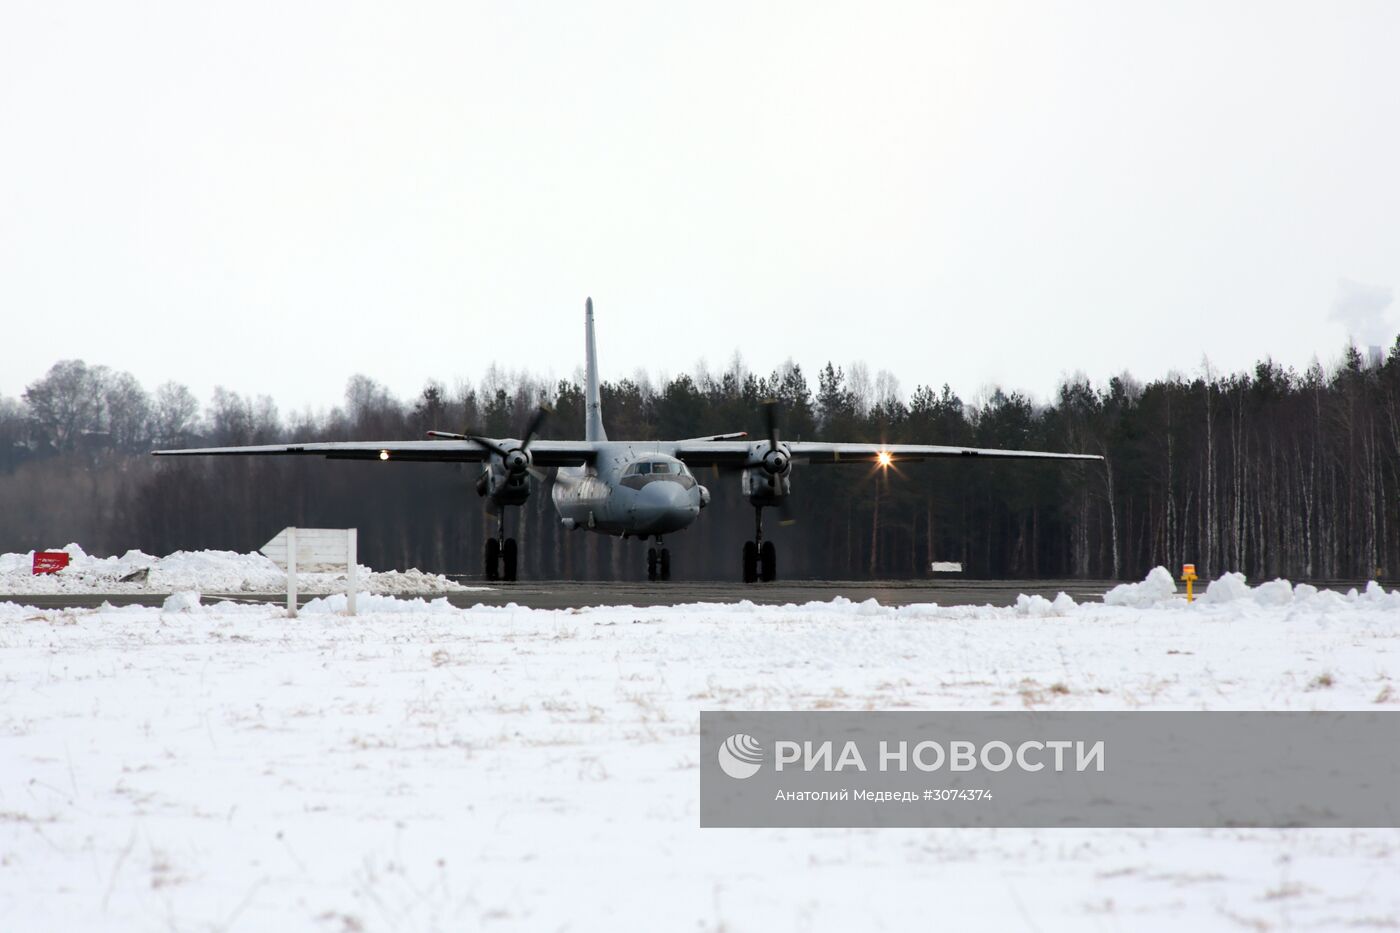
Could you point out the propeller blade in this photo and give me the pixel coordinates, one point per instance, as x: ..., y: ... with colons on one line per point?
x: 786, y: 516
x: 533, y: 428
x: 485, y: 443
x: 770, y: 416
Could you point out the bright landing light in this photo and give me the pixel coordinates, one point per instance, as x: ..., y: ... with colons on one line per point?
x: 384, y: 455
x: 884, y: 458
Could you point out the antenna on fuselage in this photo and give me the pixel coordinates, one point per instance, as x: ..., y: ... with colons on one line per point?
x: 593, y: 403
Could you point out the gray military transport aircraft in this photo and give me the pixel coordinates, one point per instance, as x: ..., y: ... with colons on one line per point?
x: 636, y: 489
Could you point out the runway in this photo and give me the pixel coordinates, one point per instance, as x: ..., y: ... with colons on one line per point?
x: 568, y: 594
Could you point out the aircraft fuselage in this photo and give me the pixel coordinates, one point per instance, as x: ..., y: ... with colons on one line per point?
x: 633, y: 488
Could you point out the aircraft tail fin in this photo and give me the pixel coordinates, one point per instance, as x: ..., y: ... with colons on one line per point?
x: 593, y: 404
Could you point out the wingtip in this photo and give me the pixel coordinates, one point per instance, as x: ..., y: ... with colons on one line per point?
x: 588, y: 305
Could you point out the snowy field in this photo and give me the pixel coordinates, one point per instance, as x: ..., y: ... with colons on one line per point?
x: 424, y: 767
x: 205, y: 571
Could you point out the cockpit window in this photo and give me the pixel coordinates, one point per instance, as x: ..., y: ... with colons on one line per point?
x: 641, y: 473
x: 656, y: 467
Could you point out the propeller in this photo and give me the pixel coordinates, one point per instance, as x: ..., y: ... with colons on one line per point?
x: 775, y: 462
x: 515, y: 460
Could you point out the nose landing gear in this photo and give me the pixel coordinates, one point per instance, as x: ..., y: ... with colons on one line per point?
x: 658, y: 563
x: 760, y: 557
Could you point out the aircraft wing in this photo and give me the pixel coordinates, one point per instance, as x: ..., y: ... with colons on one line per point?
x: 702, y: 452
x: 817, y: 452
x: 731, y: 454
x: 542, y: 453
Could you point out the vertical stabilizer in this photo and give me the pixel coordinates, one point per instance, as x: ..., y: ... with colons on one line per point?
x: 593, y: 403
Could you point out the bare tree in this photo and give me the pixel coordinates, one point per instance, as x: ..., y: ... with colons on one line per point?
x: 230, y: 418
x: 128, y: 411
x: 13, y: 418
x: 66, y: 403
x: 175, y: 416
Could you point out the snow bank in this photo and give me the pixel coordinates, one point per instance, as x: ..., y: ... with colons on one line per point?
x: 181, y: 602
x: 1038, y: 607
x: 1228, y: 589
x: 204, y: 571
x: 1157, y: 588
x: 338, y: 603
x: 1232, y: 590
x: 1275, y: 593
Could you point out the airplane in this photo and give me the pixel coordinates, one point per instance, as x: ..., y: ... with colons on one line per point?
x: 635, y: 489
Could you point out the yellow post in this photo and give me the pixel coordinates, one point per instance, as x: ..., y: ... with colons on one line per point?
x: 1188, y: 574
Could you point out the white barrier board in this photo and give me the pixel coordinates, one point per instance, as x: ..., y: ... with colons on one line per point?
x: 315, y: 550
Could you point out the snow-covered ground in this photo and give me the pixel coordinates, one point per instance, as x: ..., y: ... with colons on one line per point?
x: 205, y: 571
x: 424, y: 767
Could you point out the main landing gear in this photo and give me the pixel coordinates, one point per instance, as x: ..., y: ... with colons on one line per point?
x: 501, y: 556
x: 760, y: 557
x: 658, y: 563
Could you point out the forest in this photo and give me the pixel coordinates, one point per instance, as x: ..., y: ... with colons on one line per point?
x: 1272, y: 472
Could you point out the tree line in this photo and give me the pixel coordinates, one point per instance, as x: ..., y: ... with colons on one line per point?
x: 1272, y: 472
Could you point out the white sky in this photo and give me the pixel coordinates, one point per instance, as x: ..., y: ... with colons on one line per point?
x: 272, y: 196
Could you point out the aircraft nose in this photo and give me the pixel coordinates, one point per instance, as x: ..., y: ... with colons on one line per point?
x: 665, y: 506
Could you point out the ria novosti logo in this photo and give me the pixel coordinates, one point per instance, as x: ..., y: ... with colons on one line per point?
x: 740, y: 756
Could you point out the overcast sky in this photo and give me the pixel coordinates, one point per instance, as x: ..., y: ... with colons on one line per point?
x: 273, y: 196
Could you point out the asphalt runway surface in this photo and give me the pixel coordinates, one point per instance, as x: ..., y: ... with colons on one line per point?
x: 569, y: 594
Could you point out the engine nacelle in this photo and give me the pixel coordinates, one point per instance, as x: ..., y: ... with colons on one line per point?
x: 504, y: 486
x: 763, y: 488
x: 517, y: 462
x: 770, y: 478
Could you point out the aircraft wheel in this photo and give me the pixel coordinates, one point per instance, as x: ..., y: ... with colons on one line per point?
x: 750, y: 562
x: 663, y: 568
x: 651, y: 564
x: 508, y: 559
x: 493, y: 559
x: 768, y: 562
